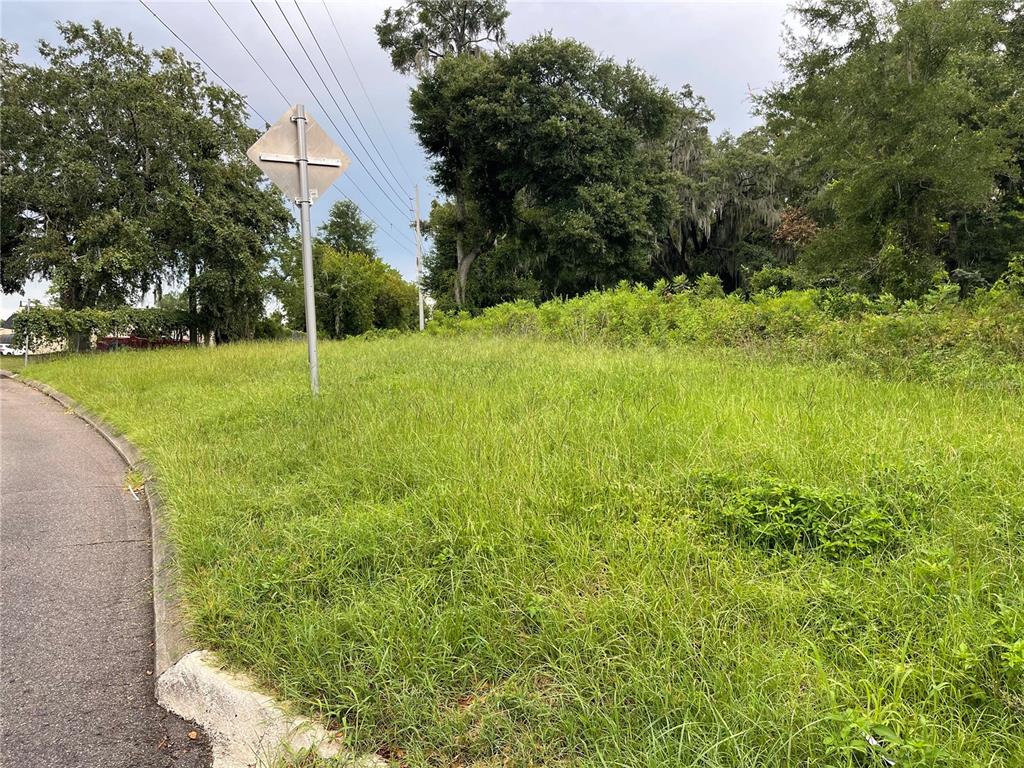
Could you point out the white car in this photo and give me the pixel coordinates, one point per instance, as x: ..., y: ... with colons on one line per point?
x: 10, y: 349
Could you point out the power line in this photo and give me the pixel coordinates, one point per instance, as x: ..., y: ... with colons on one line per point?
x: 348, y: 101
x: 237, y: 93
x: 373, y: 178
x: 355, y: 71
x: 205, y: 63
x: 318, y: 103
x: 246, y: 49
x: 285, y: 99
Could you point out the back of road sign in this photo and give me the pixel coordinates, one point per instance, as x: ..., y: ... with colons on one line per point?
x: 276, y: 153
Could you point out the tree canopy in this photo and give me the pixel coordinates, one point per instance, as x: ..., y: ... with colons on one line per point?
x: 354, y: 290
x: 905, y: 125
x: 347, y: 230
x: 894, y: 148
x: 125, y: 169
x: 422, y: 31
x: 552, y: 156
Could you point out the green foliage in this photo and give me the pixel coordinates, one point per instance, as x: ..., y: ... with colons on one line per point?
x: 708, y: 287
x: 1013, y: 279
x: 979, y: 339
x: 729, y: 198
x: 38, y: 326
x: 154, y: 182
x: 552, y: 152
x: 346, y: 230
x: 771, y: 279
x: 354, y: 292
x: 904, y: 124
x: 422, y: 31
x: 860, y: 741
x: 775, y: 515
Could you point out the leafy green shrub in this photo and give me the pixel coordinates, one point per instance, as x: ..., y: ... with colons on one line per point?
x: 1013, y: 278
x: 992, y: 667
x: 903, y: 272
x: 860, y: 741
x: 709, y: 287
x: 47, y: 325
x: 375, y: 334
x: 843, y: 305
x: 978, y: 340
x: 779, y: 516
x: 775, y: 279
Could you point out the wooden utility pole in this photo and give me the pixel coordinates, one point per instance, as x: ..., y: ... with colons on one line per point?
x: 419, y: 256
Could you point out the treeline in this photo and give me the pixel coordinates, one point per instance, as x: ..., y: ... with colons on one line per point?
x: 893, y: 150
x: 124, y: 174
x: 892, y: 155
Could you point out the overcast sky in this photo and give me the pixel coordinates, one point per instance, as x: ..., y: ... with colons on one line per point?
x: 726, y: 50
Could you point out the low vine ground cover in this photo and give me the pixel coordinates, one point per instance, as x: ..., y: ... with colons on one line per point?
x: 500, y: 551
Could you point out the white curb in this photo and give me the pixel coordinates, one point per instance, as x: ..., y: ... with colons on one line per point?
x: 246, y: 728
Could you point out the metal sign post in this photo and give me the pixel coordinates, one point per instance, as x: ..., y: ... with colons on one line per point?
x: 305, y: 202
x: 279, y: 153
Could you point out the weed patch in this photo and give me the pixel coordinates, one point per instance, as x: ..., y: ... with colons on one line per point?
x: 775, y: 516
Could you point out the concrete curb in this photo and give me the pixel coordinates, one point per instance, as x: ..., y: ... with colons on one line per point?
x: 247, y: 728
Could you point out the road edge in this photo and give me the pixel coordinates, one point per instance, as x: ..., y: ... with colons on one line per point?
x: 246, y: 726
x: 168, y: 622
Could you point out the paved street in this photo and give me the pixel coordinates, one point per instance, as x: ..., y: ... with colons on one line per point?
x: 76, y: 623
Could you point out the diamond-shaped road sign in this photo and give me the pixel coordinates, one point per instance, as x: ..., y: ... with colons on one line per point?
x: 276, y: 153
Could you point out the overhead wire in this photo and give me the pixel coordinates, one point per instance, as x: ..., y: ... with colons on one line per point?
x: 250, y: 54
x: 362, y: 86
x: 348, y: 101
x: 228, y: 85
x: 326, y: 113
x: 316, y: 71
x: 204, y: 62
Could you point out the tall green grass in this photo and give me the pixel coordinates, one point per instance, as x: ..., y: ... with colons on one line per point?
x: 503, y: 552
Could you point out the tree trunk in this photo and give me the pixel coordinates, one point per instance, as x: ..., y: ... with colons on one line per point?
x: 193, y: 305
x: 461, y: 268
x: 74, y: 300
x: 953, y: 259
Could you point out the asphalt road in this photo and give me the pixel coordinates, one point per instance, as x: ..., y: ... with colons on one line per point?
x: 76, y: 614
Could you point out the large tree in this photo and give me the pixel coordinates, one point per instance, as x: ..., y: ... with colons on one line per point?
x: 549, y: 147
x: 729, y: 198
x: 905, y: 120
x: 347, y: 230
x: 422, y: 33
x: 125, y: 169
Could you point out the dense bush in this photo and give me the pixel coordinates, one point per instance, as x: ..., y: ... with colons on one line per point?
x: 779, y: 516
x: 38, y: 326
x: 355, y: 292
x: 978, y: 339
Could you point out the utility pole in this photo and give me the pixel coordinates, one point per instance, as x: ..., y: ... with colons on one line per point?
x: 304, y: 202
x: 419, y: 256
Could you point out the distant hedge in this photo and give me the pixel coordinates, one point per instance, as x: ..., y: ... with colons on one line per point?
x: 977, y: 339
x: 37, y: 326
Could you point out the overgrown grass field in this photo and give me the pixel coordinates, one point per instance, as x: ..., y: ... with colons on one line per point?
x: 505, y: 552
